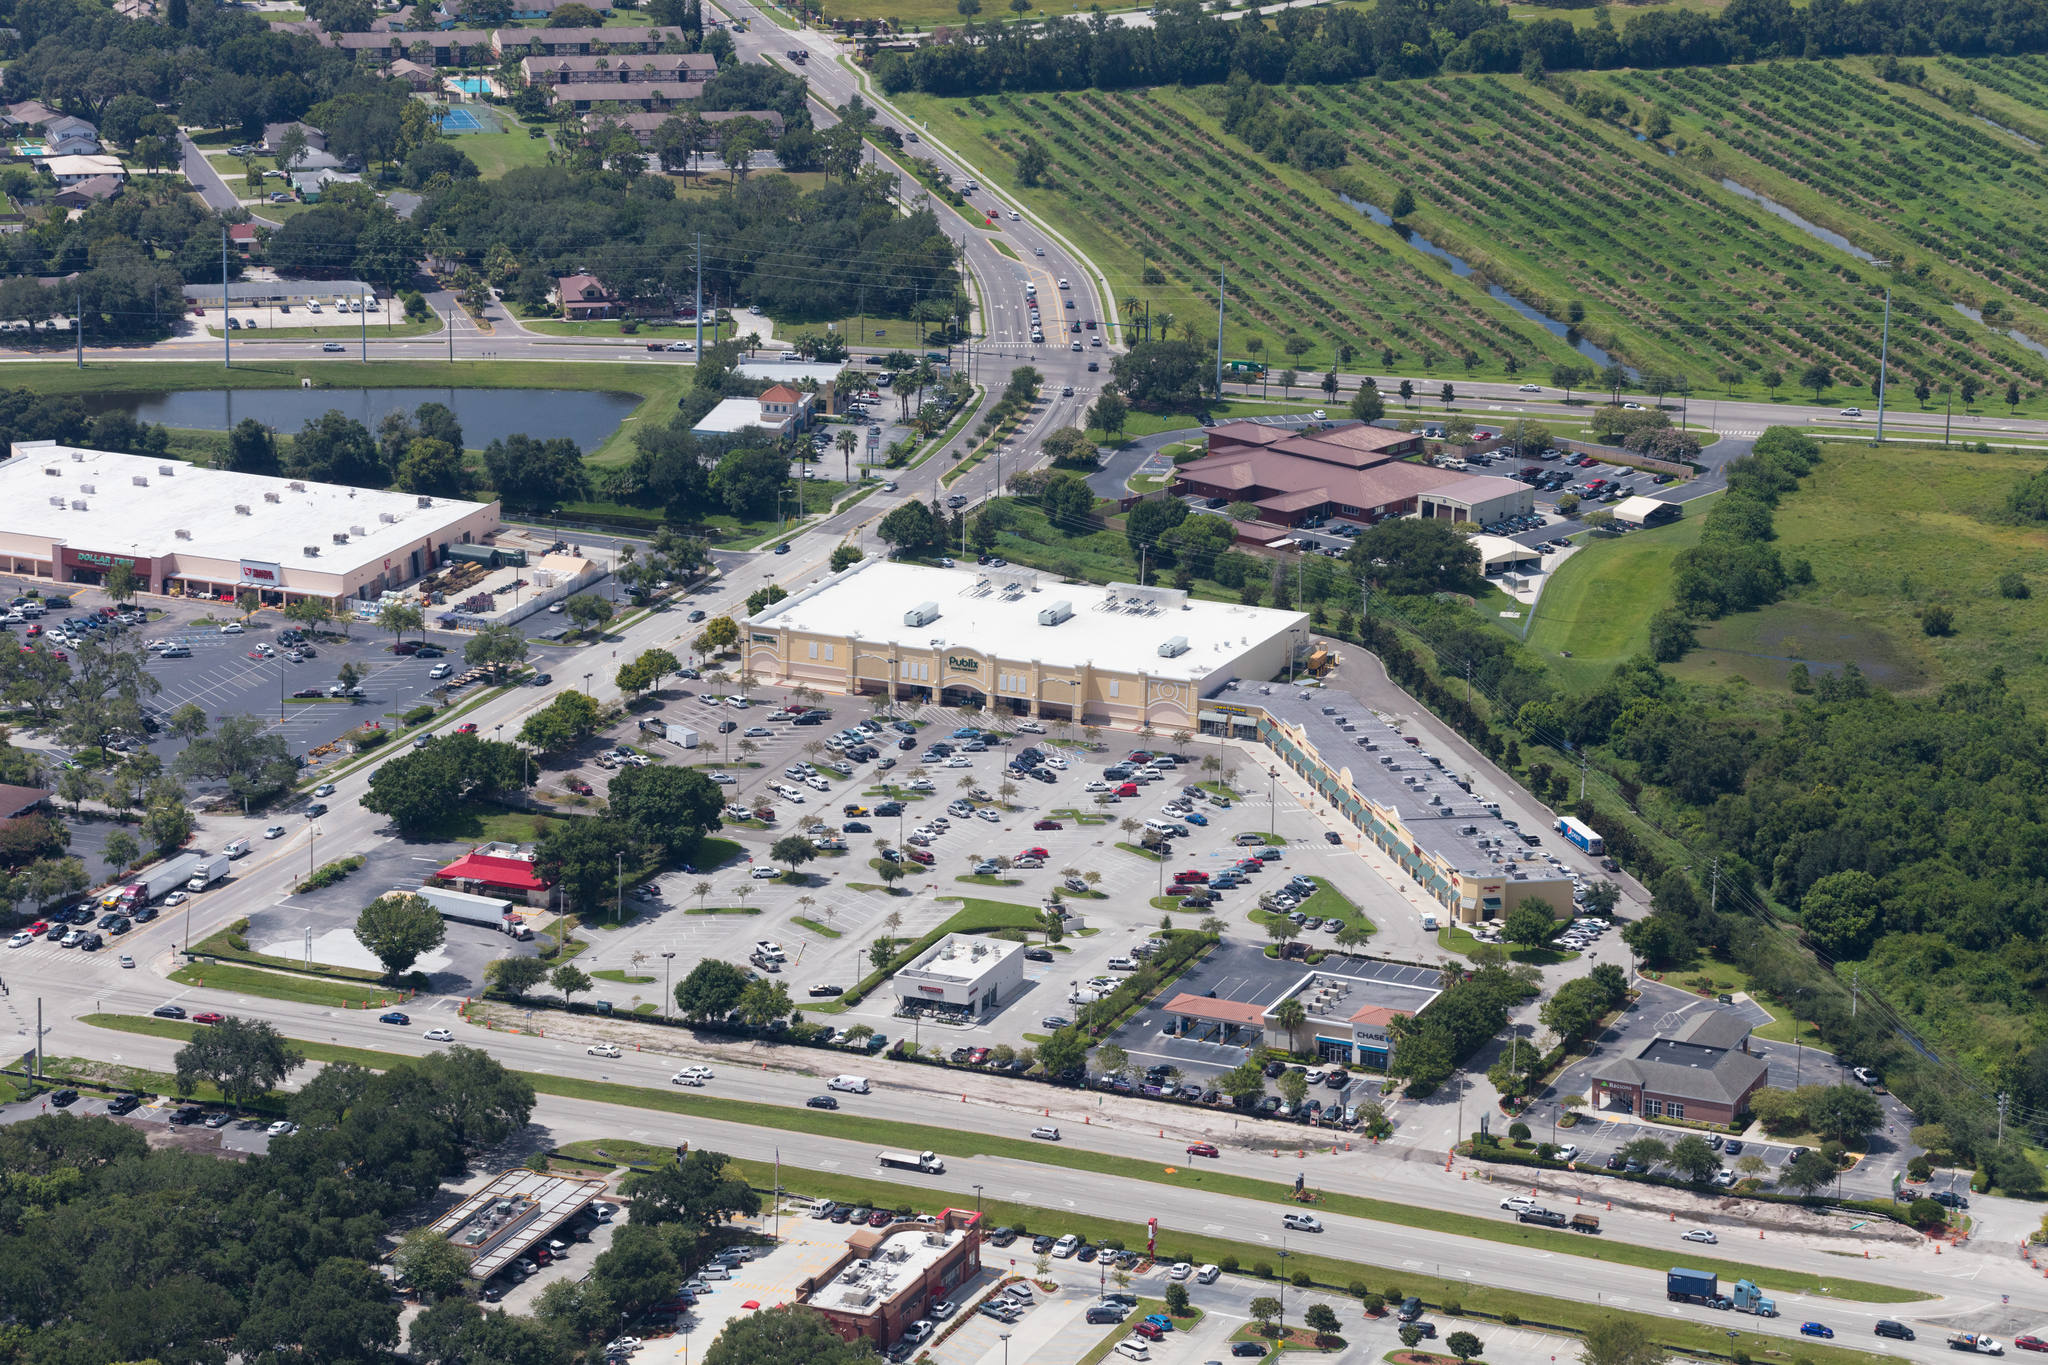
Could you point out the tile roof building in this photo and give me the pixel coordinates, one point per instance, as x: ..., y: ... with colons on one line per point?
x: 1704, y: 1073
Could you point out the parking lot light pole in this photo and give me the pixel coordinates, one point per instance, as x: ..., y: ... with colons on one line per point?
x: 977, y: 1199
x: 1281, y: 1294
x: 666, y: 998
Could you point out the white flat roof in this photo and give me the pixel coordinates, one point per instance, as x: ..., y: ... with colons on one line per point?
x: 1638, y: 508
x: 901, y: 1260
x: 1116, y: 628
x: 790, y: 371
x: 733, y: 414
x: 138, y: 504
x: 960, y: 958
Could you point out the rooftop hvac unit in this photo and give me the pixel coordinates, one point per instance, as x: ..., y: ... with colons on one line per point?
x: 182, y: 534
x: 57, y: 500
x: 78, y: 504
x: 140, y: 480
x: 296, y: 486
x: 310, y: 551
x: 1174, y: 648
x: 273, y: 496
x: 339, y: 537
x: 242, y: 509
x: 1056, y: 613
x: 88, y: 488
x: 923, y: 614
x: 388, y: 518
x: 78, y: 456
x: 357, y: 531
x: 54, y: 473
x: 168, y: 471
x: 425, y: 501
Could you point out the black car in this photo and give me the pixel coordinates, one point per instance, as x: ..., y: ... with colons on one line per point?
x: 123, y: 1104
x: 1734, y: 1147
x: 187, y: 1113
x: 889, y: 808
x: 1038, y: 955
x: 1331, y: 836
x: 1042, y: 1242
x: 855, y: 827
x: 1248, y: 1348
x: 63, y: 1098
x: 821, y: 992
x: 317, y: 808
x: 726, y: 727
x: 169, y: 1011
x: 1949, y: 1199
x: 694, y: 617
x: 1002, y: 1237
x: 821, y: 1102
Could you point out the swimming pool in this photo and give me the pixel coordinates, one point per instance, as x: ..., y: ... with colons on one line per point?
x: 471, y: 85
x: 460, y: 121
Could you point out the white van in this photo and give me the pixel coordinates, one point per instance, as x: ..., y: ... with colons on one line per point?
x: 1429, y: 923
x: 1122, y: 964
x: 1159, y: 827
x: 1133, y: 1349
x: 857, y: 1085
x: 235, y: 848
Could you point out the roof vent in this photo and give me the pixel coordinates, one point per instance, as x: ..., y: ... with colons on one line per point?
x: 140, y: 480
x: 54, y: 473
x: 88, y: 488
x: 273, y: 496
x: 57, y: 500
x: 1056, y: 613
x: 357, y: 531
x: 78, y: 456
x: 182, y: 534
x: 923, y: 614
x: 1174, y: 648
x: 242, y: 509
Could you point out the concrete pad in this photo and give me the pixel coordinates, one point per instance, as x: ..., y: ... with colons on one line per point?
x: 339, y: 948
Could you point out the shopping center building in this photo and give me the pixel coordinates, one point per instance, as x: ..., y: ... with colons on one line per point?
x: 69, y: 515
x: 1016, y: 640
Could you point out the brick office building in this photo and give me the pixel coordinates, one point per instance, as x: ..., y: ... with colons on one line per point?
x: 890, y: 1276
x: 1704, y: 1073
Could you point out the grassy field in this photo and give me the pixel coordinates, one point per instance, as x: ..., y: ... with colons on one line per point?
x: 340, y: 331
x: 1598, y: 604
x: 306, y: 990
x: 1889, y: 532
x: 497, y: 153
x: 1298, y: 260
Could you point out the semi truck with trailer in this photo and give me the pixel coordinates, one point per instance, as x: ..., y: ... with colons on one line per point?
x: 1747, y: 1298
x: 489, y: 911
x: 212, y: 868
x: 158, y: 882
x: 1582, y: 835
x: 1693, y: 1286
x: 927, y: 1162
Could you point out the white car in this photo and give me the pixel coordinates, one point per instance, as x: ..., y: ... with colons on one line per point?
x: 686, y: 1078
x: 127, y: 961
x: 1208, y: 1274
x: 438, y: 1035
x: 762, y: 874
x: 723, y: 779
x: 1530, y: 388
x: 1046, y: 1133
x: 959, y: 761
x: 283, y: 1128
x: 1181, y: 1270
x: 175, y: 898
x: 324, y: 789
x: 21, y: 940
x: 1096, y: 787
x: 439, y: 671
x: 1701, y: 1235
x: 1568, y: 1152
x: 986, y: 814
x: 274, y: 832
x: 738, y: 703
x: 602, y: 1050
x: 232, y: 628
x: 1518, y: 1202
x: 1846, y: 412
x: 1632, y: 407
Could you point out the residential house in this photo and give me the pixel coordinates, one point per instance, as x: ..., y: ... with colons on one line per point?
x: 584, y: 298
x: 308, y: 185
x: 69, y: 136
x: 30, y: 114
x: 619, y: 68
x: 242, y: 236
x: 72, y: 170
x: 273, y: 134
x: 83, y: 194
x: 451, y: 12
x: 569, y: 42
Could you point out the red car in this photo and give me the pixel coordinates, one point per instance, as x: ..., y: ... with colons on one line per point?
x: 1189, y: 878
x: 467, y: 727
x: 579, y: 786
x: 2030, y: 1343
x: 1204, y: 1149
x: 39, y: 928
x: 879, y: 1218
x: 60, y: 656
x: 1048, y: 824
x: 923, y: 856
x: 34, y: 631
x: 1034, y: 853
x: 977, y: 1056
x: 206, y: 1017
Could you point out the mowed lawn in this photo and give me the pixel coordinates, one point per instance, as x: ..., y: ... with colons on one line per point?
x: 1888, y: 533
x: 1597, y: 607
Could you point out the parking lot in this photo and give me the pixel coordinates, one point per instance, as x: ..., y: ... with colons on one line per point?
x: 840, y: 891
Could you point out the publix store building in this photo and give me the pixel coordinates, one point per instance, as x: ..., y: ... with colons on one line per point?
x: 71, y: 515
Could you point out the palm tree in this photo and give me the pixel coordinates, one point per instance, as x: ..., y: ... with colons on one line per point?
x: 1290, y: 1014
x: 847, y: 442
x: 1166, y: 321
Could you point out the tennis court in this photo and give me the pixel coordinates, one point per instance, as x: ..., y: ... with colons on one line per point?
x: 460, y: 121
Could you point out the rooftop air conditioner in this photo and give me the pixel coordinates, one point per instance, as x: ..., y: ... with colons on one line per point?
x: 296, y: 486
x: 923, y: 614
x: 273, y: 496
x: 88, y: 488
x: 140, y: 480
x: 388, y: 518
x: 182, y: 534
x: 357, y: 531
x: 425, y: 501
x: 242, y: 509
x: 54, y: 473
x: 57, y: 500
x: 167, y: 470
x: 310, y: 551
x: 1174, y: 648
x: 78, y: 504
x: 78, y: 456
x: 340, y: 537
x: 1056, y: 613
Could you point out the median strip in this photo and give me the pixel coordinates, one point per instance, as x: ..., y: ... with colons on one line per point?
x: 951, y: 1142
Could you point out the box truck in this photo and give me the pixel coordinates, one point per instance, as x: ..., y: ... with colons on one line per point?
x: 928, y: 1162
x: 212, y: 867
x: 491, y: 912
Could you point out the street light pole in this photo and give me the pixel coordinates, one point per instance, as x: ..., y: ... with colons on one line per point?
x: 667, y: 999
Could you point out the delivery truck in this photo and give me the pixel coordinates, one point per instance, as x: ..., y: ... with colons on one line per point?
x: 212, y: 868
x: 928, y: 1162
x: 682, y: 736
x: 491, y: 912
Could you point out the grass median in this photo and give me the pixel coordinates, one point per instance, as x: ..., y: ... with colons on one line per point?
x: 951, y: 1142
x: 306, y: 990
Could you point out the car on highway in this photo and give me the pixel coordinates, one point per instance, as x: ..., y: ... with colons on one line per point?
x: 1816, y: 1329
x: 2031, y: 1343
x: 1203, y: 1149
x: 1701, y: 1235
x: 1301, y: 1222
x: 438, y: 1035
x: 1530, y: 388
x: 334, y: 348
x: 169, y: 1011
x: 274, y: 832
x: 395, y: 1017
x: 603, y: 1050
x: 1852, y: 412
x: 822, y: 1102
x: 206, y: 1017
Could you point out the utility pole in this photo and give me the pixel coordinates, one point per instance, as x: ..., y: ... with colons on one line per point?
x: 1219, y: 332
x: 1853, y: 973
x: 700, y: 299
x: 363, y: 311
x: 1582, y: 774
x: 227, y: 358
x: 1883, y: 355
x: 2003, y: 1100
x: 1948, y: 398
x: 1714, y: 884
x: 78, y: 324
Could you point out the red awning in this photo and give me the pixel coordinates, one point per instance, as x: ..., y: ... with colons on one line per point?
x: 512, y: 874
